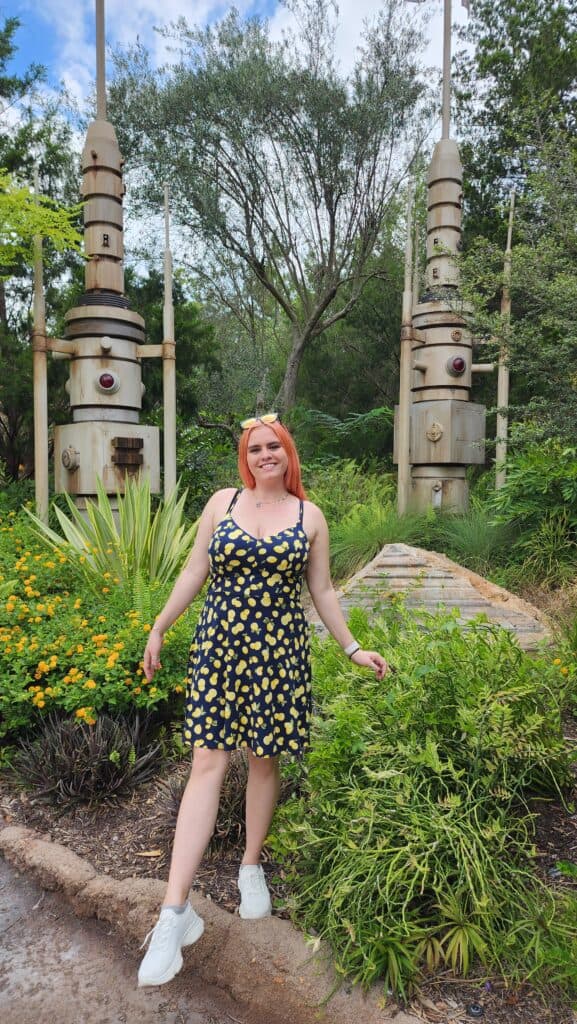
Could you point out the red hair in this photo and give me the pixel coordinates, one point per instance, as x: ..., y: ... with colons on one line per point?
x: 292, y: 477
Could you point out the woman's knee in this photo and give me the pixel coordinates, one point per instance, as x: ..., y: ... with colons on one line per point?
x: 207, y: 762
x: 263, y: 767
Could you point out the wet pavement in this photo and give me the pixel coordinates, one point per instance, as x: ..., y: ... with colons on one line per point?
x: 56, y: 967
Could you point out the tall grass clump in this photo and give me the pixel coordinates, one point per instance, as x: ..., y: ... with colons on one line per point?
x: 130, y: 544
x: 474, y: 538
x: 362, y: 533
x: 412, y: 848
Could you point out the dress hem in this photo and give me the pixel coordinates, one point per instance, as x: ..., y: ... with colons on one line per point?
x: 302, y: 748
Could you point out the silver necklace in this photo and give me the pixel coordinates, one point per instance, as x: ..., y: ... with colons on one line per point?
x: 273, y: 501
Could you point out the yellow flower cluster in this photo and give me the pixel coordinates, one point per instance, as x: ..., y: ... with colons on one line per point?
x: 86, y: 714
x: 44, y: 667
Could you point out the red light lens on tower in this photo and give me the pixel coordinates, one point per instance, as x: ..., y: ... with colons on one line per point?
x: 108, y: 382
x: 456, y: 366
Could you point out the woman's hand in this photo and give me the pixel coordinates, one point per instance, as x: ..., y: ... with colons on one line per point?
x: 152, y: 653
x: 373, y: 660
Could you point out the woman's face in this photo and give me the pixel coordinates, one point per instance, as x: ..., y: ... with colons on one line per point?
x: 266, y: 457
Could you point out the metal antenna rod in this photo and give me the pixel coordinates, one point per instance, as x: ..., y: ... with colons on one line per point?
x: 40, y: 381
x: 503, y: 370
x: 404, y: 409
x: 168, y: 361
x: 447, y: 71
x: 100, y: 63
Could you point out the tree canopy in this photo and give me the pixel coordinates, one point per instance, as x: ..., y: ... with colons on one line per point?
x: 279, y: 164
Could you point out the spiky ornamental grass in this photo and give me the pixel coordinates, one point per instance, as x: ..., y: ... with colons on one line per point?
x: 71, y: 762
x: 132, y: 544
x: 413, y: 847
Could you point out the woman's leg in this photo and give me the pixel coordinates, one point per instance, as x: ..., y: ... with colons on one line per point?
x: 196, y: 821
x: 262, y: 793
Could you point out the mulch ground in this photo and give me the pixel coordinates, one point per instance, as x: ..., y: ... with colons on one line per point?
x: 131, y: 837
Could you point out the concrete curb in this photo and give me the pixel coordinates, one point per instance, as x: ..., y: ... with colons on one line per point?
x: 266, y: 965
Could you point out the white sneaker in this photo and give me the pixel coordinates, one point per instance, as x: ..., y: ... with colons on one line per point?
x: 254, y: 895
x: 171, y: 932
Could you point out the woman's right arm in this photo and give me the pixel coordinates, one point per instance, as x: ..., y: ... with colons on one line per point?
x: 190, y: 581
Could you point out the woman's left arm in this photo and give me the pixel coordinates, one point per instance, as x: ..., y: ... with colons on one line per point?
x: 324, y: 598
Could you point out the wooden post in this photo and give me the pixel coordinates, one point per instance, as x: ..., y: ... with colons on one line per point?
x: 168, y: 363
x: 404, y: 410
x: 40, y: 383
x: 503, y: 371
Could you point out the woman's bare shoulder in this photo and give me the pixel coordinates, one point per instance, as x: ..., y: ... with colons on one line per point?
x: 313, y: 518
x: 221, y: 498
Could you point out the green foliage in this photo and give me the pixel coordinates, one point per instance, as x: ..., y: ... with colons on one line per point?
x: 72, y: 762
x: 70, y: 646
x: 359, y: 435
x: 411, y: 849
x: 336, y: 485
x: 241, y: 119
x: 138, y: 549
x: 362, y: 533
x: 474, y: 539
x: 206, y: 462
x: 23, y: 215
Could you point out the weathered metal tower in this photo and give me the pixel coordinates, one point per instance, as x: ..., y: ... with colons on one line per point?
x: 438, y: 430
x: 105, y: 386
x: 104, y: 343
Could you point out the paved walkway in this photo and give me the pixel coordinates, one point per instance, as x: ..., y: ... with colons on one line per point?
x: 430, y: 581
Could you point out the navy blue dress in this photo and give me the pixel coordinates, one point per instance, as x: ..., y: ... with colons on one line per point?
x: 249, y: 677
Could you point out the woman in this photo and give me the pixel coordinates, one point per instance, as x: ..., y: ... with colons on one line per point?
x: 249, y: 668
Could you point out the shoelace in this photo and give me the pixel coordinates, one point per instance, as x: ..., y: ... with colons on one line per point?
x: 255, y: 882
x: 160, y: 932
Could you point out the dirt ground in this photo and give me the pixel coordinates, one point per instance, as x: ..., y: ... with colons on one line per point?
x: 54, y: 967
x: 132, y: 837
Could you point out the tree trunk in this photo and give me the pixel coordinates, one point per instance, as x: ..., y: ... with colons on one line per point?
x: 287, y: 392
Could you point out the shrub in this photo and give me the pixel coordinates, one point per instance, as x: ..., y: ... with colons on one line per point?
x: 126, y: 546
x: 411, y: 848
x: 72, y: 762
x: 362, y: 533
x: 474, y: 539
x: 359, y: 435
x: 340, y: 485
x: 68, y: 646
x: 541, y: 481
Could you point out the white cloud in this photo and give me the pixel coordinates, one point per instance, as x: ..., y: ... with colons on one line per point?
x: 72, y: 27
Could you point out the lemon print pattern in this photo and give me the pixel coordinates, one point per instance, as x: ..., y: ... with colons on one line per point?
x: 249, y: 676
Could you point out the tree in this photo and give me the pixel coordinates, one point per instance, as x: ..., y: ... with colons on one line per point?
x: 278, y: 163
x: 33, y: 134
x: 514, y: 91
x: 517, y: 111
x: 24, y: 215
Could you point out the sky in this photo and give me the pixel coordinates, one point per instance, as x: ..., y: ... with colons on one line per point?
x: 60, y: 33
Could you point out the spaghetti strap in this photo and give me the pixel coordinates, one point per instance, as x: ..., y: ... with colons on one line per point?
x: 301, y: 510
x: 233, y: 502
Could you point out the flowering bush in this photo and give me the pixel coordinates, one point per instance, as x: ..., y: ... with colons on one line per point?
x: 65, y: 646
